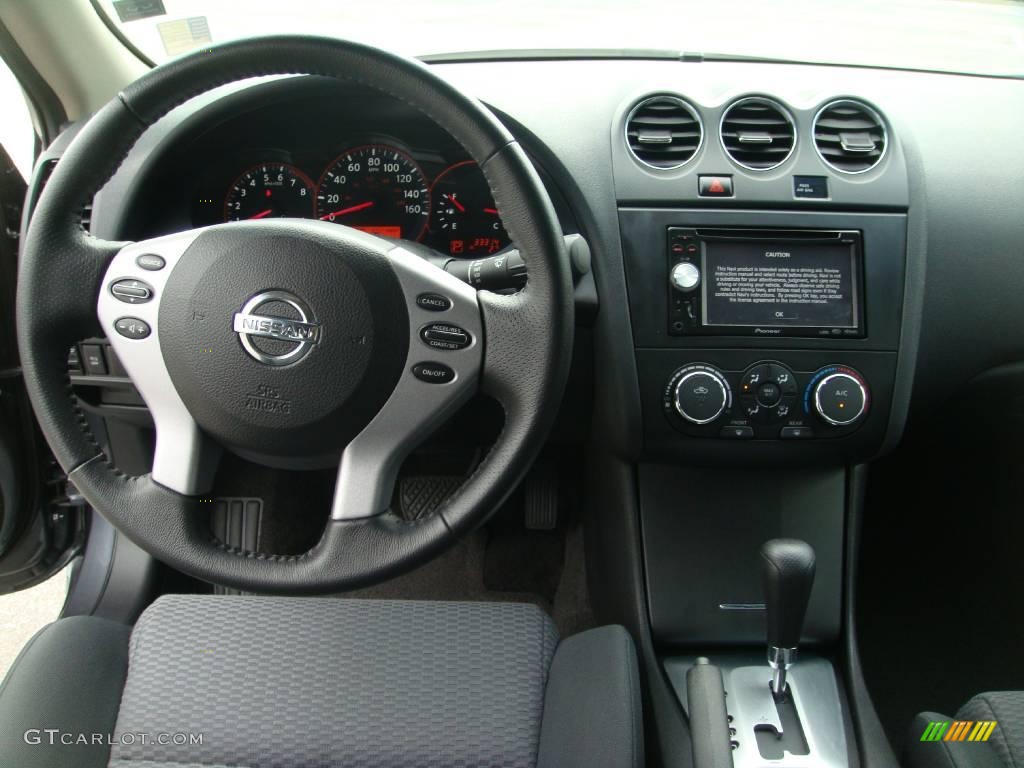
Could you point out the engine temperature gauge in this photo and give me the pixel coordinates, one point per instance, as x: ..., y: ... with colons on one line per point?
x: 466, y: 221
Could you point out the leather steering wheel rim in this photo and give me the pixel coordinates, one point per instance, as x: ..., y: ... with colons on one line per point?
x: 524, y: 357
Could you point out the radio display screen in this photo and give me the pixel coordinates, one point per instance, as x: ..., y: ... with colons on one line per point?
x: 780, y: 284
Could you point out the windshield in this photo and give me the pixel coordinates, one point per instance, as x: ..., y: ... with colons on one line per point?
x: 977, y: 37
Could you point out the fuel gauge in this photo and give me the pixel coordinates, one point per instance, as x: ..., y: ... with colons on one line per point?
x: 465, y: 218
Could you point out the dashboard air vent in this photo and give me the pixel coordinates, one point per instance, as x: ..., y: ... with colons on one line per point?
x: 758, y: 133
x: 849, y: 136
x: 663, y: 132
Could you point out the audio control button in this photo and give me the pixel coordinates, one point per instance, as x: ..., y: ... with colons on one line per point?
x: 685, y: 276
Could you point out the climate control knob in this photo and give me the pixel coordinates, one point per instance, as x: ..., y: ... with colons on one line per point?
x: 840, y: 396
x: 700, y: 393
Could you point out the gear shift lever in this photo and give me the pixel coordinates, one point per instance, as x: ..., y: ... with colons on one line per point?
x: 788, y: 568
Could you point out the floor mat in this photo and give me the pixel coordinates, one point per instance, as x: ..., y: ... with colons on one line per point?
x: 941, y: 577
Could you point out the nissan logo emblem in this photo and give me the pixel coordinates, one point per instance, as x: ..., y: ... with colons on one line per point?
x: 293, y: 337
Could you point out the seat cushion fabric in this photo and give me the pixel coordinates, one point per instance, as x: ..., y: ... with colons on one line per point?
x: 592, y: 711
x: 1004, y: 748
x: 68, y: 679
x: 279, y: 682
x: 1007, y: 709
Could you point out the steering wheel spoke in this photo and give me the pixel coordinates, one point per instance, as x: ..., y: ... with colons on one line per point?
x: 128, y: 309
x: 442, y: 371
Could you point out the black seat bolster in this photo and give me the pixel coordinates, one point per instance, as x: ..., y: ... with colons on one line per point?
x: 69, y: 677
x: 592, y: 709
x: 1007, y: 709
x: 945, y: 754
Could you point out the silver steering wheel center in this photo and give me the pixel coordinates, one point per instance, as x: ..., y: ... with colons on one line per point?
x: 292, y: 338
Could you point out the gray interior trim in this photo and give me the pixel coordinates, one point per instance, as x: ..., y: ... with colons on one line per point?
x: 184, y: 458
x: 370, y: 463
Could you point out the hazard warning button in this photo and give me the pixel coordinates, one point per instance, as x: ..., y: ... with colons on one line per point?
x: 714, y: 186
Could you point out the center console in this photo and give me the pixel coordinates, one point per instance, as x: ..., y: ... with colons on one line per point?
x: 764, y: 337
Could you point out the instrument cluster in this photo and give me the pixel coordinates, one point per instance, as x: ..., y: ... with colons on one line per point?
x: 378, y: 187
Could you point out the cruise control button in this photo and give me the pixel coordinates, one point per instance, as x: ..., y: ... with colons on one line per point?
x: 443, y: 336
x: 433, y: 302
x: 737, y: 433
x: 132, y: 328
x: 150, y: 262
x: 131, y: 291
x: 435, y: 373
x: 796, y: 433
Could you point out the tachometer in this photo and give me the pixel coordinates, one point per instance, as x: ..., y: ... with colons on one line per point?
x: 269, y: 190
x: 378, y: 189
x: 466, y: 219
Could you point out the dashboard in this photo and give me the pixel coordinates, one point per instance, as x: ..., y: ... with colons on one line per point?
x: 920, y: 230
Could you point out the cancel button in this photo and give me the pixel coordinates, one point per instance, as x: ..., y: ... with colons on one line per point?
x: 435, y: 373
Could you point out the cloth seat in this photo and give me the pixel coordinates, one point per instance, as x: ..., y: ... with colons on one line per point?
x: 263, y: 682
x: 1004, y: 747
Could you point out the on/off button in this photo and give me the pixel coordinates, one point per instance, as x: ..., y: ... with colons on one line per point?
x: 433, y: 373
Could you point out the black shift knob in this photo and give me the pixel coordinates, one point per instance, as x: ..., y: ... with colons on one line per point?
x: 788, y: 566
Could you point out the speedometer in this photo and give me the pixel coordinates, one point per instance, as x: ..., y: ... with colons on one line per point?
x: 378, y: 189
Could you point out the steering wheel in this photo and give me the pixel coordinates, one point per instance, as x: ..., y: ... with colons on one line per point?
x: 292, y: 342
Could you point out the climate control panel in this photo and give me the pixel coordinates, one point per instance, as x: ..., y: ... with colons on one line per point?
x: 768, y: 400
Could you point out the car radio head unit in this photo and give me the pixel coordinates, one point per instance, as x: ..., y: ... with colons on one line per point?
x: 765, y: 282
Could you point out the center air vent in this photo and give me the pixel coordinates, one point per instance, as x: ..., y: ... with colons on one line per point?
x: 758, y: 133
x: 849, y: 136
x: 663, y: 132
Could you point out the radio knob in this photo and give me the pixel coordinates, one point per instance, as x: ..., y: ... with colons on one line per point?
x: 685, y: 276
x: 701, y: 394
x: 841, y: 398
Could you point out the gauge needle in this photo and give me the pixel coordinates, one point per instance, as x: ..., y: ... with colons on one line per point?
x: 456, y: 203
x: 351, y: 209
x: 262, y: 214
x: 491, y: 210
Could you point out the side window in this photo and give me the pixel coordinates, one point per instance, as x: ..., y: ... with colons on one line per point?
x: 16, y: 132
